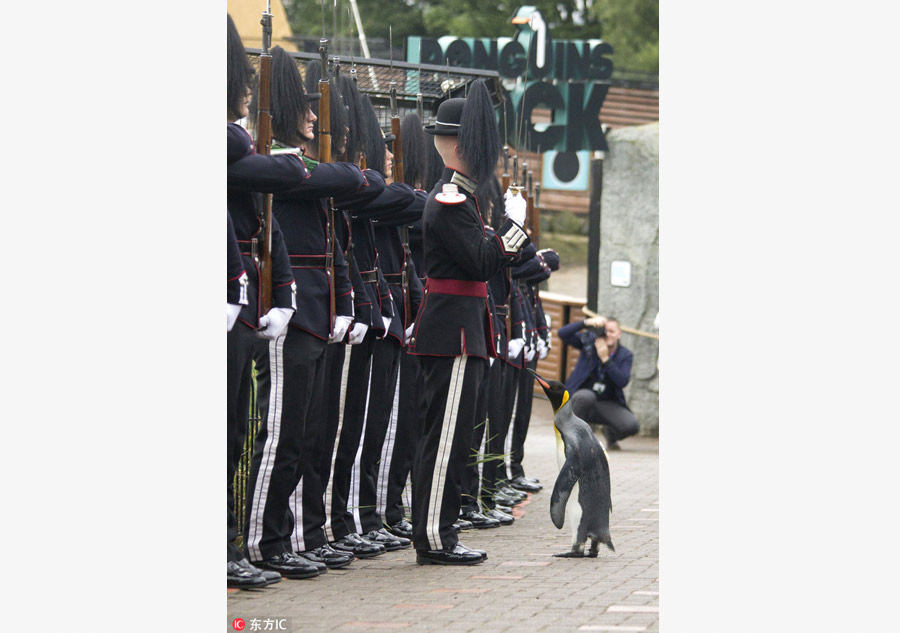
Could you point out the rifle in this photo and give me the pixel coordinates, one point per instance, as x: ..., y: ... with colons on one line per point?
x: 504, y: 179
x: 262, y: 249
x: 397, y: 174
x: 324, y: 156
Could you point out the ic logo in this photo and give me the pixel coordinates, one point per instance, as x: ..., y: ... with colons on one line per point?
x: 238, y: 624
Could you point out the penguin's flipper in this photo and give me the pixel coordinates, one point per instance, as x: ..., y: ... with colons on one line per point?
x: 568, y: 476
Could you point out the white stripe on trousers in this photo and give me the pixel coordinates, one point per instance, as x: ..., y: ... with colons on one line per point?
x: 480, y: 462
x: 353, y: 500
x: 439, y: 473
x: 507, y: 445
x: 345, y: 371
x: 273, y: 430
x: 387, y: 452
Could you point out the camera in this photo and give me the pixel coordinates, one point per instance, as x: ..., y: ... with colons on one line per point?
x: 599, y: 332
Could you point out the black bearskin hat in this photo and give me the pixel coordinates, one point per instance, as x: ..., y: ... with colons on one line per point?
x: 240, y: 72
x: 336, y: 107
x: 288, y: 96
x: 415, y: 160
x: 479, y: 138
x: 435, y: 164
x: 374, y: 142
x: 350, y: 95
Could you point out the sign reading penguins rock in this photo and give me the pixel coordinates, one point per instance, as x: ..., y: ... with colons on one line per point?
x: 570, y: 78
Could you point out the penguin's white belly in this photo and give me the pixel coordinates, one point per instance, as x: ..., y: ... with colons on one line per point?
x: 573, y: 507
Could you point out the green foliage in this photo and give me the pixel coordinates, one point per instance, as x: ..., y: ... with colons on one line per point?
x: 563, y: 222
x: 572, y: 249
x: 630, y: 26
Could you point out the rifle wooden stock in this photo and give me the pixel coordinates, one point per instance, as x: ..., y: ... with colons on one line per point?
x: 397, y: 172
x: 324, y: 155
x: 264, y: 147
x: 325, y: 120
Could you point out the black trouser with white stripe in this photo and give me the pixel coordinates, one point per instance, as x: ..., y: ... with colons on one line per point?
x: 240, y: 385
x: 286, y: 376
x: 382, y: 393
x: 472, y: 476
x: 400, y: 441
x: 357, y: 373
x: 499, y: 404
x: 521, y: 416
x: 451, y: 393
x: 308, y: 500
x: 318, y: 452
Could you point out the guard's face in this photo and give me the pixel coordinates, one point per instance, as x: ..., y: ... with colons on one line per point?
x: 305, y: 125
x: 388, y: 162
x: 244, y: 107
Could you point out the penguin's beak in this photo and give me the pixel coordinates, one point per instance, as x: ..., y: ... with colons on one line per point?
x: 537, y: 377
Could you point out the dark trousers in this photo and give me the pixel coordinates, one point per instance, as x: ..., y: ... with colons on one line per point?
x: 308, y: 500
x: 356, y: 375
x: 451, y: 390
x: 521, y: 416
x: 471, y: 481
x: 286, y: 375
x: 618, y: 419
x: 499, y: 410
x: 240, y: 385
x: 382, y: 392
x: 400, y: 441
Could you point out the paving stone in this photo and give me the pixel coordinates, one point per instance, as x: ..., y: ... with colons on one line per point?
x: 520, y: 588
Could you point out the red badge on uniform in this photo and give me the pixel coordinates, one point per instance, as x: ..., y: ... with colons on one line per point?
x: 450, y: 195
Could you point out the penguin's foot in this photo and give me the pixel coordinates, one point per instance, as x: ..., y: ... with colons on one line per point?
x: 570, y: 554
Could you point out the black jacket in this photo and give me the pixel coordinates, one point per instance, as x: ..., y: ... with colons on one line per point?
x: 248, y: 174
x: 391, y: 259
x: 310, y: 235
x: 457, y: 247
x: 237, y: 276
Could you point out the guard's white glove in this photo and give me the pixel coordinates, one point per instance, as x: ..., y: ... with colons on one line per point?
x: 529, y: 353
x: 233, y: 311
x: 408, y: 334
x: 357, y: 333
x: 514, y: 347
x: 274, y: 322
x: 387, y: 324
x: 515, y: 205
x: 542, y: 349
x: 492, y: 362
x: 341, y: 325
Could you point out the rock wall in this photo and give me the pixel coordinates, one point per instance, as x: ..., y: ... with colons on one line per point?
x: 629, y: 230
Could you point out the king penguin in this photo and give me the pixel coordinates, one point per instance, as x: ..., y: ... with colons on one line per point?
x: 583, y: 473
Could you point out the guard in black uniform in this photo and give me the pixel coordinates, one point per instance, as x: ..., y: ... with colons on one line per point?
x: 369, y: 391
x: 308, y: 503
x: 453, y: 334
x: 245, y: 177
x: 288, y: 368
x: 528, y: 276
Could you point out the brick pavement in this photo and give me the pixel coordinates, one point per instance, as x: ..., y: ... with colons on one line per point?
x: 521, y: 587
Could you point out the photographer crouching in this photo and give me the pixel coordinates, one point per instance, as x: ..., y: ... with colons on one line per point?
x: 602, y: 371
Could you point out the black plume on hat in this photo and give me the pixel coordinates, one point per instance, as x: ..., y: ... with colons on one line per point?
x: 415, y: 159
x: 356, y: 135
x: 373, y: 147
x: 288, y: 98
x: 339, y: 116
x: 479, y: 138
x: 240, y: 72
